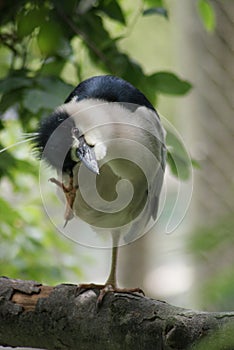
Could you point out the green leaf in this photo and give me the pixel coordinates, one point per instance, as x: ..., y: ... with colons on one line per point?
x: 113, y: 10
x: 72, y: 6
x: 96, y: 32
x: 27, y: 22
x: 133, y: 72
x: 10, y: 99
x: 49, y: 94
x: 12, y: 83
x: 207, y: 14
x: 172, y: 164
x: 156, y: 11
x: 179, y: 166
x: 154, y: 3
x: 7, y: 212
x: 50, y: 38
x: 26, y: 167
x: 53, y: 67
x: 7, y: 162
x: 35, y: 100
x: 177, y: 157
x: 196, y: 164
x: 54, y: 86
x: 169, y: 83
x: 148, y: 88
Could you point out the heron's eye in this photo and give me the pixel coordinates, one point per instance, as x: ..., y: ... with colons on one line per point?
x: 74, y: 153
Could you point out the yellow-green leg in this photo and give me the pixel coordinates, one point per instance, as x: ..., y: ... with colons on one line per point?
x: 112, y: 276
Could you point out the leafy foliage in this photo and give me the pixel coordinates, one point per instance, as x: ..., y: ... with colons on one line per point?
x: 207, y: 14
x: 209, y: 244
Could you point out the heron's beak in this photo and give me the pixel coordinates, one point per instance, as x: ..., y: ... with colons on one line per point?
x: 87, y: 156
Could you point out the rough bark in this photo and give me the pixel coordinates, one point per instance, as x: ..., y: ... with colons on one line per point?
x: 57, y: 318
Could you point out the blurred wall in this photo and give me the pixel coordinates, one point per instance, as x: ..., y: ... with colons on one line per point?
x: 160, y: 263
x: 207, y: 123
x: 207, y: 59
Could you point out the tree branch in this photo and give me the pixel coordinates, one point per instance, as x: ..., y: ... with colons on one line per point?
x: 57, y: 318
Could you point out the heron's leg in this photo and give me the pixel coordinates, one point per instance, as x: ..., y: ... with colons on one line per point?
x: 111, y: 283
x: 112, y: 276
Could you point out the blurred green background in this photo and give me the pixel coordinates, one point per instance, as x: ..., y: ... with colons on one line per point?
x: 180, y: 54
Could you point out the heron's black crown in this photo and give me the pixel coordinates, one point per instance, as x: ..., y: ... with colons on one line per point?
x: 111, y: 89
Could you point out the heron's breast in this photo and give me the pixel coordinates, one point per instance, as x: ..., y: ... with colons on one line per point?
x: 112, y: 198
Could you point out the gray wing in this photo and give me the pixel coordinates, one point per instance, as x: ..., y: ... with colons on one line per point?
x: 151, y: 209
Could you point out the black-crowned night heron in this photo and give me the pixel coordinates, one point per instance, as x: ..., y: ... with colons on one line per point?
x: 108, y: 131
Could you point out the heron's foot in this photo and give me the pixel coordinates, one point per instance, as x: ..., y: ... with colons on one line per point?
x: 110, y: 288
x: 70, y: 195
x: 104, y: 289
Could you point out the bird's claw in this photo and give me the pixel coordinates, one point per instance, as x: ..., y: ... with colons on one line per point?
x: 70, y: 194
x: 109, y: 288
x: 104, y: 289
